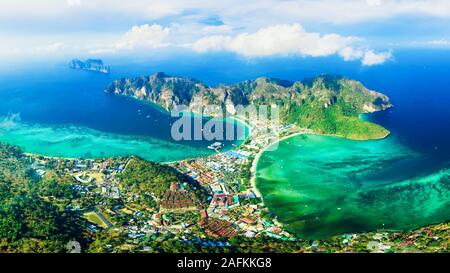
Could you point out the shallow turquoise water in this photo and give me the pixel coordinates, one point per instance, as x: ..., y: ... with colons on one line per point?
x: 321, y: 186
x: 75, y: 141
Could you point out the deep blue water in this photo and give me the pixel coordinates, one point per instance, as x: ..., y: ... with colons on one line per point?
x: 417, y: 81
x: 57, y: 95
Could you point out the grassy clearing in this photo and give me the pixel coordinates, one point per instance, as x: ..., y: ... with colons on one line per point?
x: 94, y: 218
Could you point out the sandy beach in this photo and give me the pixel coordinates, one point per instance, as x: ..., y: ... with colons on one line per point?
x: 258, y: 156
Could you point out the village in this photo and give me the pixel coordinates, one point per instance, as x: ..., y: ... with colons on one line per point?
x: 233, y: 206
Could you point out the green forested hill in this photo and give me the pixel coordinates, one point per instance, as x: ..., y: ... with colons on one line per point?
x: 142, y: 176
x: 28, y: 222
x: 327, y: 104
x: 154, y: 180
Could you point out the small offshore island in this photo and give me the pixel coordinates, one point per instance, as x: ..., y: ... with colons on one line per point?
x: 205, y: 204
x: 94, y: 65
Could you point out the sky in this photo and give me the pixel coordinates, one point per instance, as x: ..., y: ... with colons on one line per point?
x: 364, y: 31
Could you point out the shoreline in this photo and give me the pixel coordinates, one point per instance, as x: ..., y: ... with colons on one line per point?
x: 252, y: 128
x: 254, y: 164
x: 255, y: 161
x: 264, y: 149
x: 246, y: 123
x: 151, y: 104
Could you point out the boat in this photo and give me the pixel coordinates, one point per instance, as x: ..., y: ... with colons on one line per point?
x: 215, y: 146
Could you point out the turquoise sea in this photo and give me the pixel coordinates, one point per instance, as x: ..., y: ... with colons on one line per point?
x: 321, y: 186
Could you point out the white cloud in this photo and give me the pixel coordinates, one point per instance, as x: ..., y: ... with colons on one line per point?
x: 39, y: 49
x: 350, y: 53
x: 50, y: 48
x: 356, y: 11
x: 436, y: 43
x: 277, y: 40
x: 212, y: 43
x: 73, y: 2
x: 139, y: 38
x: 144, y: 36
x: 374, y: 2
x: 291, y: 40
x: 217, y: 29
x: 256, y: 11
x: 272, y: 27
x: 373, y: 58
x: 101, y: 50
x: 440, y: 42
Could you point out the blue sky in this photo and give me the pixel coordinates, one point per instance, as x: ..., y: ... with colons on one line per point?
x: 367, y: 31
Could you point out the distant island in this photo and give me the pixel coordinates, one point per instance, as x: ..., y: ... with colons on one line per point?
x: 326, y: 104
x: 95, y: 65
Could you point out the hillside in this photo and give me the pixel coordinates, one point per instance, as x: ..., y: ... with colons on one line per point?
x: 326, y: 104
x: 28, y: 221
x: 143, y: 176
